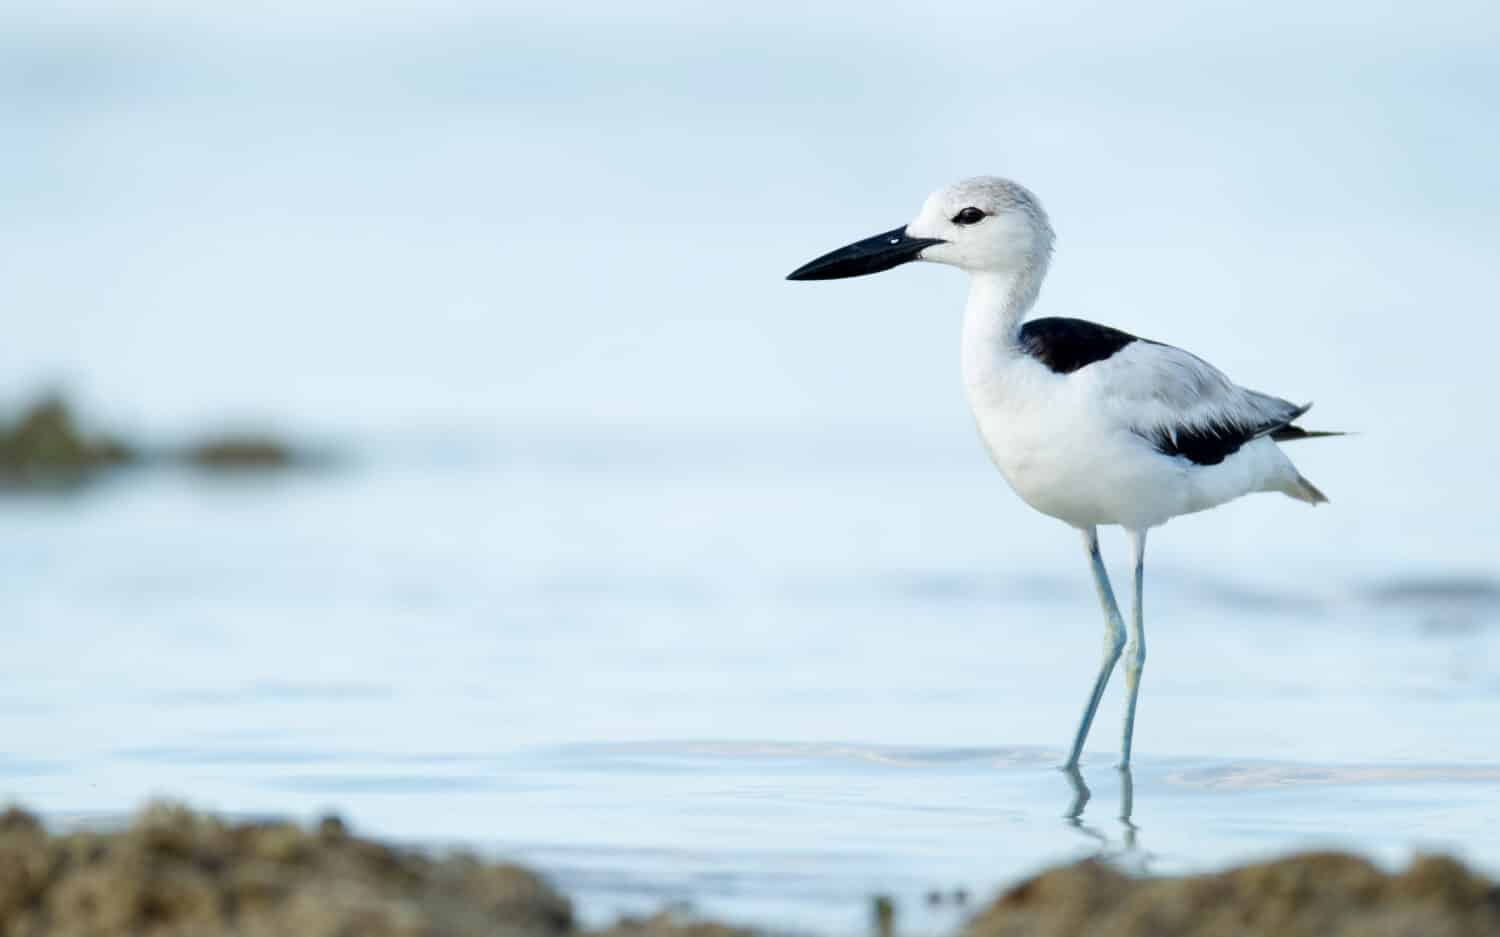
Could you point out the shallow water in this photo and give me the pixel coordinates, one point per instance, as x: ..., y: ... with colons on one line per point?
x: 765, y: 688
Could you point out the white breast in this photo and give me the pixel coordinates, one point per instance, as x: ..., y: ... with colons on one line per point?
x: 1048, y: 442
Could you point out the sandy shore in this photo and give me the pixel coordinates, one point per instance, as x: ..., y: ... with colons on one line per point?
x: 172, y: 872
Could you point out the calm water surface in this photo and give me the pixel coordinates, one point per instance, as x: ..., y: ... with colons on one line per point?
x: 765, y: 687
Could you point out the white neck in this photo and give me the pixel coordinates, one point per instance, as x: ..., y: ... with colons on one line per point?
x: 998, y: 302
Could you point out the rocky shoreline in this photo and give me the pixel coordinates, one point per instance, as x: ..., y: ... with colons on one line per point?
x: 173, y: 872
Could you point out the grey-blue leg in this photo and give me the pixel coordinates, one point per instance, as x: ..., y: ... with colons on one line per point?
x: 1114, y: 641
x: 1135, y: 654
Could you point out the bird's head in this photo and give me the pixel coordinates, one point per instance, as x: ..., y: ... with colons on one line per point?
x: 982, y: 225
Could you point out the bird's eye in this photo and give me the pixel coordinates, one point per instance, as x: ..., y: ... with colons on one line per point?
x: 970, y: 215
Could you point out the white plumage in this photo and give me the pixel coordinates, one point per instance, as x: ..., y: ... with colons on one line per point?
x: 1088, y: 424
x: 1080, y: 446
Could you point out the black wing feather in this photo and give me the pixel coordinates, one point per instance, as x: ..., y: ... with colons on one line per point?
x: 1212, y: 444
x: 1065, y: 345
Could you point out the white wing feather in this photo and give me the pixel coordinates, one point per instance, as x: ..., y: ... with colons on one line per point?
x: 1162, y: 392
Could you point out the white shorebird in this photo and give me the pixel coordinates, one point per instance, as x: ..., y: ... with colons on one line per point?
x: 1088, y: 424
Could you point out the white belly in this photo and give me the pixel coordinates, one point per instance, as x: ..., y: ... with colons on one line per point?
x: 1081, y: 477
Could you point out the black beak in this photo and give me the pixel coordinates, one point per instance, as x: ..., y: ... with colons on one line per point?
x: 872, y: 255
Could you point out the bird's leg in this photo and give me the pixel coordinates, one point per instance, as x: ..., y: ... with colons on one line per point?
x: 1081, y: 795
x: 1131, y: 839
x: 1114, y: 640
x: 1135, y: 654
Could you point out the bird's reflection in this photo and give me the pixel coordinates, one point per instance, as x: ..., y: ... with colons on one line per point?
x: 1128, y: 851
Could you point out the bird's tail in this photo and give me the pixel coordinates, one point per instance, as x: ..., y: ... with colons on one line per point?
x: 1290, y: 433
x: 1304, y: 490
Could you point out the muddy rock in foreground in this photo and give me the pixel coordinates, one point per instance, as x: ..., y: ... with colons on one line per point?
x: 1308, y: 895
x: 174, y: 872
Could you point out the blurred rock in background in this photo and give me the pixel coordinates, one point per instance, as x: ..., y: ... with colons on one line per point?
x: 45, y: 448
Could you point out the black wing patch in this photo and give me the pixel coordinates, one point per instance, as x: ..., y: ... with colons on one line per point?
x: 1208, y: 445
x: 1212, y: 444
x: 1065, y: 345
